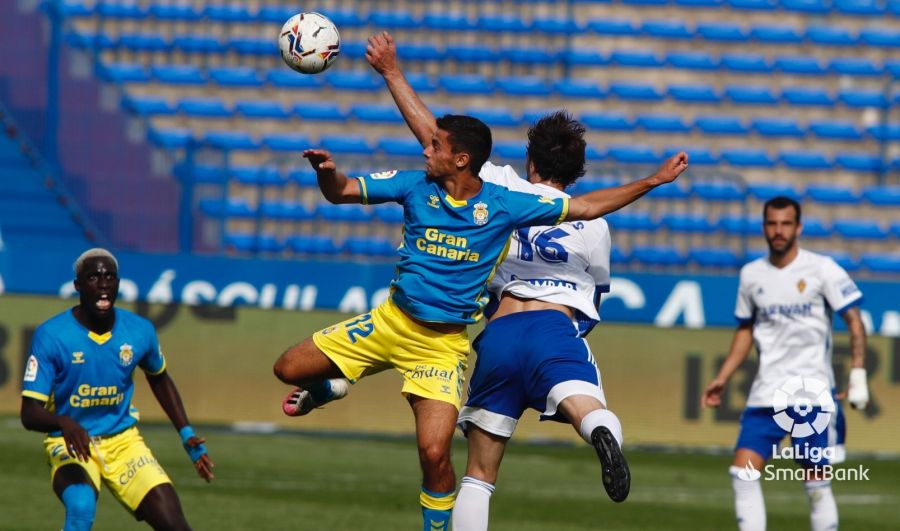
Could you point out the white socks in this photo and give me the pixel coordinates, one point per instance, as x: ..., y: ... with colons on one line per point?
x: 472, y: 503
x: 749, y: 505
x: 601, y: 417
x: 823, y: 514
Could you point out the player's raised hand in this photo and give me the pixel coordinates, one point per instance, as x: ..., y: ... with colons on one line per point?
x: 203, y: 464
x: 320, y: 160
x: 78, y: 442
x: 381, y: 53
x: 712, y: 396
x: 672, y: 168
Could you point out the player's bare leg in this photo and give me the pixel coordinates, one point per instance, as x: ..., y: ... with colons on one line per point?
x: 318, y: 379
x: 602, y: 430
x: 473, y: 501
x: 435, y: 423
x: 749, y: 504
x: 161, y: 508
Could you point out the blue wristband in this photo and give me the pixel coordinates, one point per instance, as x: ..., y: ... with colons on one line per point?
x: 195, y: 452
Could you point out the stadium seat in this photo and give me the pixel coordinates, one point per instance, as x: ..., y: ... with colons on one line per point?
x: 881, y: 262
x: 810, y: 7
x: 835, y: 130
x: 239, y: 242
x: 611, y: 26
x: 807, y: 96
x: 672, y: 191
x: 172, y: 138
x: 578, y: 88
x: 227, y: 13
x: 349, y: 144
x: 617, y: 256
x: 322, y: 111
x: 860, y: 8
x: 123, y: 72
x: 368, y: 112
x: 692, y: 223
x: 276, y: 14
x: 510, y: 149
x: 393, y: 19
x: 147, y: 105
x: 806, y: 65
x: 633, y: 91
x: 740, y: 225
x: 201, y: 173
x: 717, y: 191
x: 291, y: 142
x: 420, y: 51
x: 882, y: 195
x: 523, y: 85
x: 884, y: 132
x: 421, y: 82
x: 443, y: 21
x: 750, y: 94
x: 204, y: 107
x: 636, y: 58
x: 858, y: 161
x: 496, y: 116
x: 143, y: 42
x: 882, y: 37
x: 346, y: 17
x: 855, y: 66
x: 720, y: 125
x: 202, y: 44
x: 632, y: 154
x: 284, y: 210
x: 777, y: 127
x: 830, y: 36
x: 575, y: 56
x: 352, y: 213
x: 639, y: 221
x: 466, y: 53
x: 369, y: 246
x: 694, y: 93
x: 815, y: 228
x: 714, y: 257
x: 775, y: 34
x: 666, y: 29
x: 692, y: 60
x: 805, y: 160
x: 555, y: 25
x: 354, y: 80
x: 698, y: 155
x: 353, y: 49
x: 502, y: 23
x: 661, y: 123
x: 304, y: 177
x: 721, y: 31
x: 862, y: 97
x: 843, y: 259
x: 832, y: 193
x: 260, y: 47
x: 657, y: 256
x: 389, y: 213
x: 765, y: 191
x: 528, y: 55
x: 400, y: 146
x: 261, y: 109
x: 860, y: 229
x: 184, y: 74
x: 285, y: 78
x: 230, y: 140
x: 238, y: 208
x: 745, y: 63
x: 747, y: 157
x: 247, y: 175
x: 608, y: 121
x: 235, y: 76
x: 321, y: 245
x: 465, y: 84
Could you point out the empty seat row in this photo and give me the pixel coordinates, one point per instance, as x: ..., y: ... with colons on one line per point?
x: 320, y: 245
x: 815, y: 8
x: 284, y: 210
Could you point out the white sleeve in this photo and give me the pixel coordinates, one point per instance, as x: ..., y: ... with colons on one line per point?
x: 838, y: 288
x: 507, y: 177
x: 745, y: 310
x: 597, y: 239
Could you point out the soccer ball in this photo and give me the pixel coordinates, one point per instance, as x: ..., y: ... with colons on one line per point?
x: 309, y: 42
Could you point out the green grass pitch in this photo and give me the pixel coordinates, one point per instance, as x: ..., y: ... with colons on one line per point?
x: 306, y: 481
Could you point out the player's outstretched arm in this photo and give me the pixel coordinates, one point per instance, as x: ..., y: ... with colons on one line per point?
x: 858, y: 390
x: 170, y: 400
x: 381, y: 52
x: 740, y: 348
x: 335, y: 186
x: 601, y: 202
x: 36, y: 417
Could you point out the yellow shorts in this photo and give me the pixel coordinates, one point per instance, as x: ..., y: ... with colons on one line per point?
x: 122, y: 461
x: 432, y: 363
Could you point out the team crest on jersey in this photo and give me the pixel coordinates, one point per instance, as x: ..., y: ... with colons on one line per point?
x: 78, y: 357
x: 31, y: 369
x: 434, y: 201
x: 383, y: 174
x: 125, y: 354
x: 480, y: 213
x: 801, y: 285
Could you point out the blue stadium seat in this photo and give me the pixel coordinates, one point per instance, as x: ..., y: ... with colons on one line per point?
x: 661, y: 123
x: 247, y: 175
x: 353, y: 49
x: 832, y: 194
x: 170, y: 138
x: 322, y: 245
x: 862, y: 97
x: 304, y: 177
x: 895, y: 228
x: 147, y: 105
x: 555, y: 25
x: 294, y: 142
x: 777, y: 127
x: 123, y: 72
x: 465, y: 84
x: 720, y: 125
x: 389, y: 213
x: 694, y: 93
x: 400, y: 146
x: 354, y: 80
x: 393, y: 19
x: 261, y: 109
x: 185, y: 74
x: 235, y: 76
x: 775, y: 34
x: 421, y: 82
x: 346, y: 17
x: 502, y: 23
x: 578, y: 88
x: 721, y: 31
x: 835, y: 130
x: 420, y: 51
x: 638, y: 58
x: 812, y: 7
x: 667, y: 29
x: 608, y: 121
x: 692, y: 60
x: 143, y: 42
x: 807, y: 96
x: 746, y: 157
x: 285, y: 78
x: 617, y: 256
x: 692, y: 223
x: 349, y: 144
x: 884, y: 132
x: 867, y: 162
x: 673, y: 191
x: 805, y: 160
x: 368, y: 112
x: 204, y: 107
x: 230, y: 140
x: 806, y: 65
x: 701, y: 4
x: 860, y: 229
x: 321, y: 110
x: 443, y: 21
x: 632, y: 154
x: 830, y: 35
x: 576, y: 56
x: 246, y: 45
x: 628, y: 221
x: 510, y: 149
x: 714, y: 257
x: 276, y: 14
x: 737, y: 225
x: 855, y: 66
x: 697, y: 155
x: 752, y: 5
x: 523, y: 85
x: 369, y: 246
x: 240, y: 242
x: 495, y: 116
x: 765, y: 191
x: 470, y: 53
x: 657, y: 256
x: 352, y: 213
x: 611, y: 26
x: 717, y: 191
x: 882, y: 195
x: 285, y: 210
x: 238, y: 208
x: 528, y: 55
x: 881, y: 262
x: 814, y: 227
x: 861, y: 8
x: 882, y: 37
x: 206, y: 44
x: 634, y: 91
x: 745, y: 62
x: 750, y: 94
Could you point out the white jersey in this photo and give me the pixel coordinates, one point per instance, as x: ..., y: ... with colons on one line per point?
x: 791, y: 310
x: 564, y: 264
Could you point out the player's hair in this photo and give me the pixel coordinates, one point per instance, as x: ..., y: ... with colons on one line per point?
x: 96, y: 252
x: 468, y: 135
x: 556, y: 148
x: 780, y: 202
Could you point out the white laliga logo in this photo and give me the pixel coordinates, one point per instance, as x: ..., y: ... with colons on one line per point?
x: 807, y: 393
x: 749, y: 472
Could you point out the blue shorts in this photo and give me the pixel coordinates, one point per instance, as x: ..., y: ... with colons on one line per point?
x: 527, y: 360
x: 761, y: 433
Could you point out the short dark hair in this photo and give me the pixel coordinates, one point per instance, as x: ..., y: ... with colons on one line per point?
x: 468, y: 135
x: 780, y: 202
x: 556, y: 148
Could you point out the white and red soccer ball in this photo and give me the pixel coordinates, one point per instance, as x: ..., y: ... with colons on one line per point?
x: 309, y: 42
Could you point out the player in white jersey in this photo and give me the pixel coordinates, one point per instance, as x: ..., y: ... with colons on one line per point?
x: 785, y: 306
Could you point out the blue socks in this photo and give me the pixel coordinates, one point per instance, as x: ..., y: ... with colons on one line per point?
x: 81, y: 507
x: 436, y: 509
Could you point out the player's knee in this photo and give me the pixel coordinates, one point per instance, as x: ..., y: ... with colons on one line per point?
x: 434, y: 456
x: 81, y: 507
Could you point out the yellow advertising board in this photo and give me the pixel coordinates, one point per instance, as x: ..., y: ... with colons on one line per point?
x: 221, y: 359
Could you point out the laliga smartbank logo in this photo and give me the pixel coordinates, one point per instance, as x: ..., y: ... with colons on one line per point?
x: 807, y: 394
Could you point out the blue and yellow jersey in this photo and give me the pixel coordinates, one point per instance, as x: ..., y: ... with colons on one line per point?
x: 88, y: 377
x: 451, y: 248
